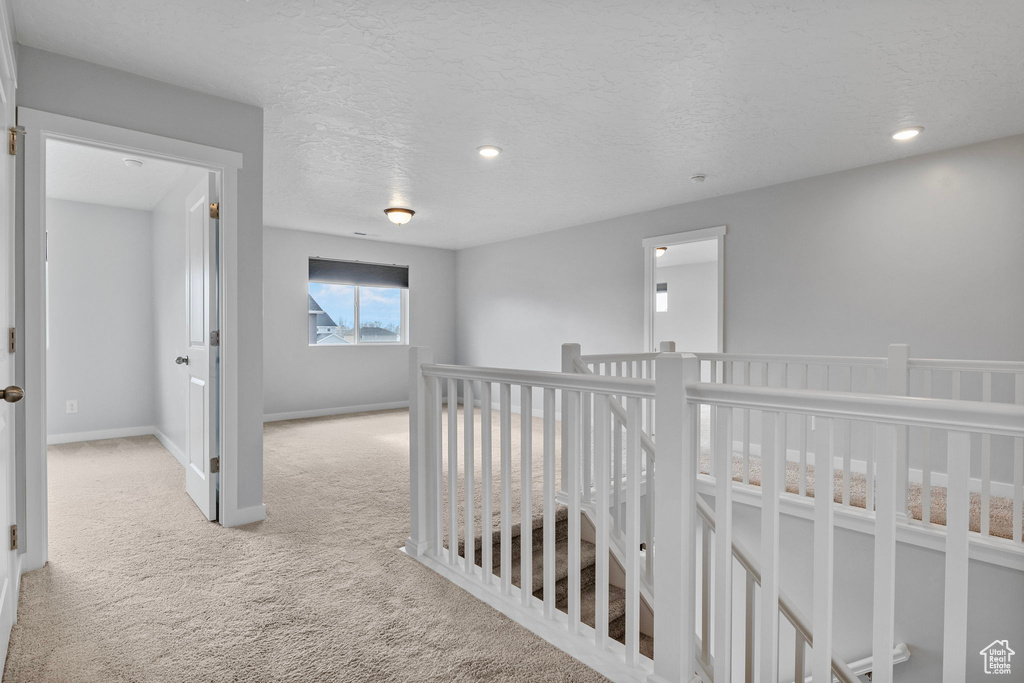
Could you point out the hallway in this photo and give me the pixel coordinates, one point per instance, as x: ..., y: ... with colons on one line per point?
x: 140, y: 588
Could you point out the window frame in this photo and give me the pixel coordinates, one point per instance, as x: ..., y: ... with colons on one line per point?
x: 404, y: 317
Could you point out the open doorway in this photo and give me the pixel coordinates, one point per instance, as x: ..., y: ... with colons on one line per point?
x: 684, y: 301
x: 130, y: 269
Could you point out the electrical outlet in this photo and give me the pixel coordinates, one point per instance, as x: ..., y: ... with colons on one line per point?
x: 72, y: 407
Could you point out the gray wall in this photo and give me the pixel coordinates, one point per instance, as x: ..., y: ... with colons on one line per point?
x: 924, y: 250
x: 168, y: 264
x: 100, y: 309
x: 72, y: 87
x: 301, y: 380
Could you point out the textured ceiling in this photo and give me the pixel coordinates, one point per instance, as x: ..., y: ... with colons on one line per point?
x: 98, y: 176
x: 603, y: 107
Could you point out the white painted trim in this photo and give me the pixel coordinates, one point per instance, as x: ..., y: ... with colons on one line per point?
x: 119, y: 433
x: 325, y: 412
x: 8, y: 59
x: 580, y: 646
x: 171, y: 447
x: 650, y: 244
x: 40, y: 127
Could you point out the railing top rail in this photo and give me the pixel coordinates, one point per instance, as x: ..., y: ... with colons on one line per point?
x: 966, y: 365
x: 618, y: 357
x: 970, y: 416
x: 793, y: 358
x: 619, y: 386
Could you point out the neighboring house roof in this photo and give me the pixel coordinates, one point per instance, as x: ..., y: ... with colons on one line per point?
x: 372, y: 331
x: 314, y: 307
x: 324, y: 320
x: 332, y: 338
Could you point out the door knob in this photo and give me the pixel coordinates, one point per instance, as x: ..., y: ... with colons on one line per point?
x: 181, y: 360
x: 12, y: 394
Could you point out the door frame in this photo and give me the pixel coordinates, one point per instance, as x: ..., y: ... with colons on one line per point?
x: 650, y: 270
x: 41, y: 127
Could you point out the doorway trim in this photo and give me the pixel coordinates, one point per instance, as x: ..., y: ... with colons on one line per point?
x: 41, y: 127
x: 652, y: 243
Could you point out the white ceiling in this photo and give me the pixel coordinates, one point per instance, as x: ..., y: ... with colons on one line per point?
x: 704, y: 251
x: 604, y: 108
x: 99, y: 176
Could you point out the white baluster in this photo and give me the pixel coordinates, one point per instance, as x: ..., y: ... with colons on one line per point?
x: 746, y: 429
x: 800, y: 659
x: 571, y: 423
x: 486, y: 478
x: 468, y: 473
x: 633, y: 513
x: 722, y: 463
x: 549, y: 503
x: 526, y: 495
x: 802, y: 425
x: 1018, y: 463
x: 821, y: 662
x: 899, y: 385
x: 986, y: 460
x: 885, y: 554
x: 602, y: 521
x: 705, y: 592
x: 617, y: 473
x: 926, y: 456
x: 570, y: 352
x: 772, y: 480
x: 437, y: 419
x: 588, y: 452
x: 749, y: 631
x: 505, y: 435
x: 958, y: 510
x: 453, y: 472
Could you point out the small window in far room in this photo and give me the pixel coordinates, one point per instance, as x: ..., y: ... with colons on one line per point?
x: 353, y: 303
x: 661, y: 298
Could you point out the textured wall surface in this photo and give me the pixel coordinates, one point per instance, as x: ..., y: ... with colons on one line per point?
x: 604, y: 108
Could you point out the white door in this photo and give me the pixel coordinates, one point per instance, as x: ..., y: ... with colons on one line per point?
x: 201, y: 442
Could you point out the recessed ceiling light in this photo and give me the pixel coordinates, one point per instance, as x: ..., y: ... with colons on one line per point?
x: 907, y: 133
x: 133, y: 163
x: 399, y: 216
x: 489, y: 151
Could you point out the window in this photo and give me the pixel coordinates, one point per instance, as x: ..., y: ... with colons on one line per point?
x: 352, y: 303
x: 661, y: 298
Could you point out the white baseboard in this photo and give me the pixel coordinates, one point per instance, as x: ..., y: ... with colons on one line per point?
x: 73, y: 437
x: 247, y: 515
x: 325, y: 412
x: 171, y: 447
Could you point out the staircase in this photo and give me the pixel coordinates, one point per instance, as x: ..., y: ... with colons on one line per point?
x: 588, y: 588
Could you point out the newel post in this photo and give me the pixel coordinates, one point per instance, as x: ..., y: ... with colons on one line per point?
x: 898, y: 378
x: 675, y: 515
x: 667, y: 347
x: 570, y: 352
x: 419, y: 532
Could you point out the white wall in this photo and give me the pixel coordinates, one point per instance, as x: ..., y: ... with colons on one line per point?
x: 168, y: 264
x: 72, y: 87
x: 924, y: 250
x: 301, y: 380
x: 100, y: 320
x: 691, y: 320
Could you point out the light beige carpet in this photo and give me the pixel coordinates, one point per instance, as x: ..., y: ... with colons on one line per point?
x: 140, y: 588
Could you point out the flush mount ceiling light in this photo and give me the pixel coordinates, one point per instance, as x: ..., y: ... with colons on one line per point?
x: 133, y: 163
x: 399, y: 216
x: 660, y: 251
x: 698, y: 178
x: 907, y: 133
x: 488, y: 151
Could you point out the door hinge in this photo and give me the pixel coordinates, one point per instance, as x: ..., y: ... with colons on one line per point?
x: 14, y: 537
x: 12, y: 340
x: 215, y: 211
x: 215, y: 338
x: 12, y: 140
x: 214, y: 465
